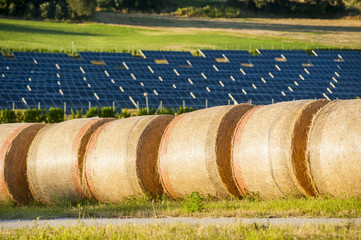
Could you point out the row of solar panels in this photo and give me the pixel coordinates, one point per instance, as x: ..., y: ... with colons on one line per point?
x: 218, y: 77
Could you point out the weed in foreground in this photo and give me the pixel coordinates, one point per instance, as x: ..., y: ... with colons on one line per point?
x: 194, y: 202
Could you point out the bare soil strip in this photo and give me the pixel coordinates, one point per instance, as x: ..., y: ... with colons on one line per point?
x: 338, y: 32
x: 71, y: 222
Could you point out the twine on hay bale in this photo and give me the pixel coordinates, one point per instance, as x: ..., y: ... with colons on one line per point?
x: 15, y: 139
x: 121, y: 158
x: 334, y: 149
x: 195, y: 152
x: 268, y: 155
x: 55, y: 160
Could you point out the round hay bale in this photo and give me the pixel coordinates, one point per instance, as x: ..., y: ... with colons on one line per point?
x: 121, y: 158
x: 55, y: 160
x: 195, y: 152
x: 15, y: 139
x: 268, y: 155
x: 334, y: 149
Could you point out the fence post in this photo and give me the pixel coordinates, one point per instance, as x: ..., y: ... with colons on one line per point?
x: 64, y: 111
x: 146, y: 101
x: 73, y: 48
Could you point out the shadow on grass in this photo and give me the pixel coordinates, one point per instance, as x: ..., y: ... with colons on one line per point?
x: 8, y: 27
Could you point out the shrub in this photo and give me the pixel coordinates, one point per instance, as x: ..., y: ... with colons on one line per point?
x: 143, y: 111
x: 124, y: 113
x: 166, y: 111
x: 60, y: 11
x: 82, y: 9
x: 7, y: 116
x: 55, y: 115
x: 184, y: 110
x: 208, y: 11
x: 46, y: 10
x: 35, y: 115
x: 107, y: 112
x: 72, y: 113
x: 252, y: 197
x: 12, y: 9
x: 106, y: 4
x: 30, y: 11
x: 79, y: 114
x: 194, y: 202
x: 76, y: 114
x: 92, y: 112
x: 19, y: 117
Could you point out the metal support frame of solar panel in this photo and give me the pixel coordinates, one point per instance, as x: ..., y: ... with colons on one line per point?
x: 207, y: 65
x: 163, y: 54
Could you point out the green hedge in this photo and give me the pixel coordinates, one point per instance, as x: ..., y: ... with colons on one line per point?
x: 53, y: 115
x: 56, y: 115
x: 208, y: 11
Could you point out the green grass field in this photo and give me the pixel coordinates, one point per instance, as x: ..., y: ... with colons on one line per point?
x: 191, y: 207
x: 182, y: 231
x: 49, y: 36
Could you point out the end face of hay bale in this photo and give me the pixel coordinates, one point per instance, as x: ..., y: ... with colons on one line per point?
x: 236, y: 143
x: 54, y: 164
x: 263, y: 148
x: 300, y: 162
x: 121, y: 158
x: 15, y: 140
x: 224, y: 145
x: 334, y: 149
x: 195, y: 151
x: 147, y: 155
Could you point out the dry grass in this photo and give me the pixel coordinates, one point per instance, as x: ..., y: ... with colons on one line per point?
x: 194, y: 206
x: 183, y: 231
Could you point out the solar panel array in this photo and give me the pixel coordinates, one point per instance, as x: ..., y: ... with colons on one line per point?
x: 217, y: 77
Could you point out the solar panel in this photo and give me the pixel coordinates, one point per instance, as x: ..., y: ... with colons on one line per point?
x: 217, y: 77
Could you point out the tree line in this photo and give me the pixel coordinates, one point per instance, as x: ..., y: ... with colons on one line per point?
x: 85, y: 9
x: 303, y: 7
x: 49, y: 9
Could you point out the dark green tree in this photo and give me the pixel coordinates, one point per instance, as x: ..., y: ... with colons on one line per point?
x: 46, y: 10
x: 82, y: 9
x: 61, y: 10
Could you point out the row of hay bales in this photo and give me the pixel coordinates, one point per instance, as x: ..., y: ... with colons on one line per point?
x: 307, y: 147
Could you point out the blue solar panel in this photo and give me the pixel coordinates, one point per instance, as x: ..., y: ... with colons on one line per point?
x: 275, y: 75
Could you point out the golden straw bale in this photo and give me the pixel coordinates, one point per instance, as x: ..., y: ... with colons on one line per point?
x: 121, y: 158
x: 268, y: 155
x: 55, y: 160
x: 334, y: 149
x: 195, y: 152
x: 15, y: 139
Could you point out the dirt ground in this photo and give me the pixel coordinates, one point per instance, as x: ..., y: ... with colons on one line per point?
x: 336, y: 32
x: 71, y: 222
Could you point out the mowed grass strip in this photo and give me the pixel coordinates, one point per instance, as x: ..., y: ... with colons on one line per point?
x: 190, y: 207
x: 182, y: 231
x: 22, y: 35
